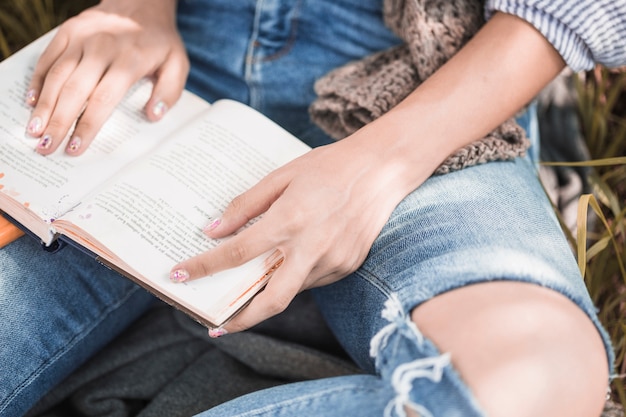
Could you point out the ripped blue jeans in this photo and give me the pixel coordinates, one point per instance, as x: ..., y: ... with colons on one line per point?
x: 485, y: 223
x: 413, y: 374
x: 489, y: 222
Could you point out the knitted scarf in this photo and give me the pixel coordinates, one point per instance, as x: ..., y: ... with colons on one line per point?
x: 433, y: 31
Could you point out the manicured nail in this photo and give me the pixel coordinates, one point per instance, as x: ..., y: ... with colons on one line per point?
x: 211, y: 226
x: 159, y: 109
x: 74, y: 144
x: 45, y: 142
x: 179, y: 275
x: 219, y: 332
x: 31, y: 97
x: 34, y: 126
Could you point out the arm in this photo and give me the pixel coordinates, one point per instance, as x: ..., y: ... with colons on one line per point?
x: 498, y: 72
x: 324, y: 210
x: 585, y: 32
x: 94, y: 59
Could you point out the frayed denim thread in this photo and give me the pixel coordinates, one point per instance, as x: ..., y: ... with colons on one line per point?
x: 403, y: 376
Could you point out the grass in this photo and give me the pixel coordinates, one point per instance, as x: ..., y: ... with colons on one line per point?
x: 602, y: 110
x: 601, y: 249
x: 21, y: 21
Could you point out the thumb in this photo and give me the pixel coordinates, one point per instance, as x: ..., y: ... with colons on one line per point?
x: 279, y: 292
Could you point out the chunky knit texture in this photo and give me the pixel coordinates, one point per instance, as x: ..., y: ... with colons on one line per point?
x: 433, y: 31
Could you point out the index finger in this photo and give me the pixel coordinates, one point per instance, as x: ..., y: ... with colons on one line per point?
x: 237, y: 250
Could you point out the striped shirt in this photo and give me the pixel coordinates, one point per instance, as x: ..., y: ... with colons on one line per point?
x: 585, y: 32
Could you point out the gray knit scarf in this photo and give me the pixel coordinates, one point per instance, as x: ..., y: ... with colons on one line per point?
x: 433, y: 31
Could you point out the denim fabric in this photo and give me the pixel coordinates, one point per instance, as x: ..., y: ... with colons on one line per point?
x: 488, y: 222
x: 269, y: 53
x: 56, y: 310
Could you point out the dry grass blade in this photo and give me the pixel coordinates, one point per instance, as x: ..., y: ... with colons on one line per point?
x: 602, y: 111
x: 5, y: 49
x: 619, y: 160
x: 584, y: 202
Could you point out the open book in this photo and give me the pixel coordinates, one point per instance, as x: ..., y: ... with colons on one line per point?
x: 140, y: 195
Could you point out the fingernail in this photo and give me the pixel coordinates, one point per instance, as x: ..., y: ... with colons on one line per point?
x: 219, y: 332
x: 45, y: 142
x: 212, y: 225
x: 159, y: 109
x: 34, y: 126
x: 74, y: 144
x: 179, y: 275
x: 31, y: 97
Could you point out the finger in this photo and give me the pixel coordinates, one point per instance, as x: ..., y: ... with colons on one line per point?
x: 55, y: 79
x: 169, y: 85
x: 78, y: 88
x: 55, y: 48
x: 247, y: 245
x: 280, y: 290
x: 101, y: 104
x: 252, y: 203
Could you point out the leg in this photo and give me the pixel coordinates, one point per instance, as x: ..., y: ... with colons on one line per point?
x: 487, y: 277
x: 524, y: 350
x: 484, y: 224
x: 357, y: 395
x: 56, y: 310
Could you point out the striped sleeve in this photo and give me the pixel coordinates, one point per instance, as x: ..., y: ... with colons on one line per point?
x: 585, y: 32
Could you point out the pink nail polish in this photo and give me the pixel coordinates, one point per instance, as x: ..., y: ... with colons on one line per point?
x: 45, y: 142
x: 31, y: 97
x: 159, y: 109
x: 179, y: 275
x: 213, y: 225
x: 74, y: 145
x: 34, y: 126
x: 219, y: 332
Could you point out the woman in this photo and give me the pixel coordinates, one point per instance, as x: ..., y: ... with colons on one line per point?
x: 457, y: 293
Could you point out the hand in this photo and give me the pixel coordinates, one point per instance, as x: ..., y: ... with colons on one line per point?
x: 94, y: 59
x: 322, y: 211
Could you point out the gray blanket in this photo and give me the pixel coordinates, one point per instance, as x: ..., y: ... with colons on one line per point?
x: 166, y: 365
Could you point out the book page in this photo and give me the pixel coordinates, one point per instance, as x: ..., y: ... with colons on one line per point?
x: 152, y: 215
x: 51, y: 185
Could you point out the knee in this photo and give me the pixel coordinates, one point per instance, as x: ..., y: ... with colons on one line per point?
x: 523, y: 350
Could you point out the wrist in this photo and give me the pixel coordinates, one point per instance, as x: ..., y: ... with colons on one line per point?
x: 141, y: 9
x: 405, y: 148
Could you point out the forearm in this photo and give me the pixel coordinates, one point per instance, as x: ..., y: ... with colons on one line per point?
x: 498, y: 72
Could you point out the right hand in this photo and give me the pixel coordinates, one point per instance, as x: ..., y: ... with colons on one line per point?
x: 94, y: 59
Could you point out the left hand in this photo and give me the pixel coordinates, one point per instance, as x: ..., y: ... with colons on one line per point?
x: 94, y: 59
x: 322, y: 211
